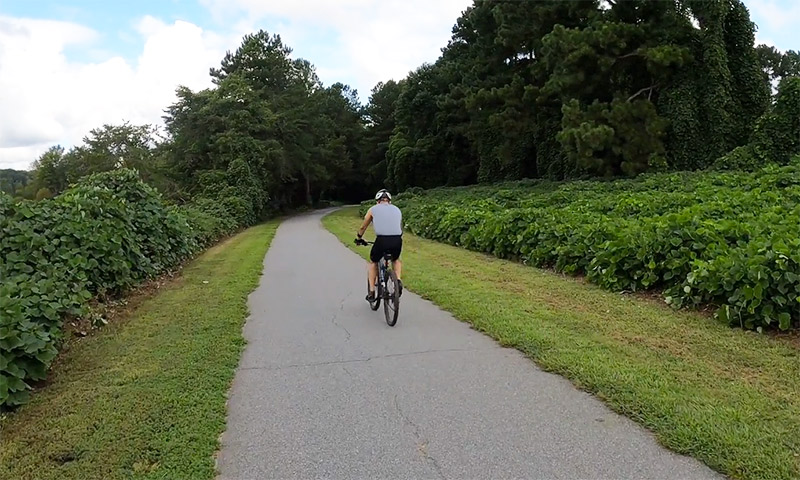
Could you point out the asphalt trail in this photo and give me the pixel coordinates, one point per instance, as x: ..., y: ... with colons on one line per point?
x: 325, y: 389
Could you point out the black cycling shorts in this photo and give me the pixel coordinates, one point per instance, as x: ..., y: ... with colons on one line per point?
x: 392, y: 244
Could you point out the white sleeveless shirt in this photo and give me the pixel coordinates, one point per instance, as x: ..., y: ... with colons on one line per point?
x: 387, y: 220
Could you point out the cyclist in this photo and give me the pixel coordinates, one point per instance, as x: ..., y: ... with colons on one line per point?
x: 386, y: 220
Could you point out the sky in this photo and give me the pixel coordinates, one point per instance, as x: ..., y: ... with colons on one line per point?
x: 69, y: 66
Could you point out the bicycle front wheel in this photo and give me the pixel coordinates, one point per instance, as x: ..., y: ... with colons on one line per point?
x: 391, y: 300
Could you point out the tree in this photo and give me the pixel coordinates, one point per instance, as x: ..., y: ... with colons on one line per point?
x: 777, y: 65
x: 750, y: 93
x: 776, y: 137
x: 262, y: 60
x: 609, y: 76
x: 418, y: 147
x: 777, y: 133
x: 112, y: 147
x: 271, y: 120
x: 380, y: 121
x: 339, y: 128
x: 109, y: 147
x: 556, y: 89
x: 212, y: 129
x: 612, y: 139
x: 50, y: 170
x: 13, y: 182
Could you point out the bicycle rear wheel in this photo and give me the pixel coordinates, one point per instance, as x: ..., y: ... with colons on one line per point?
x: 391, y: 301
x: 377, y: 303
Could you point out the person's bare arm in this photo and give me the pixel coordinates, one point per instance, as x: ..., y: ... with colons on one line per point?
x: 365, y: 224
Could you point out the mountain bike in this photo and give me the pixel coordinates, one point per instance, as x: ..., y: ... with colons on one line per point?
x: 387, y: 287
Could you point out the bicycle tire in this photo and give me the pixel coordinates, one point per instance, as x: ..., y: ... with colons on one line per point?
x: 377, y: 303
x: 391, y: 310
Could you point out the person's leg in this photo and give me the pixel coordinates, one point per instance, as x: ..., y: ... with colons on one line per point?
x: 372, y: 276
x: 397, y: 265
x: 372, y: 268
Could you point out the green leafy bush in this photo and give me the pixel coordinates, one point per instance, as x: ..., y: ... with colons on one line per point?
x: 728, y: 239
x: 106, y: 234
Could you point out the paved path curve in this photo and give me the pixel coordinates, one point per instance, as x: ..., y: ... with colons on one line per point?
x: 325, y: 389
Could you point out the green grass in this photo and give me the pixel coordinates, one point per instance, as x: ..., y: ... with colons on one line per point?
x: 145, y: 397
x: 725, y: 396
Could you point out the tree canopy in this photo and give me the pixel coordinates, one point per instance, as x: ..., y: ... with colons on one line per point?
x: 557, y: 89
x: 13, y: 182
x: 564, y: 89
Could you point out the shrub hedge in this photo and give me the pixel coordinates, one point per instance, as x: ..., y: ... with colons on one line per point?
x: 106, y: 234
x: 727, y: 239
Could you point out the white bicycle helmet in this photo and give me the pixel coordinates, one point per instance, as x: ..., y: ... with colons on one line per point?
x: 383, y: 193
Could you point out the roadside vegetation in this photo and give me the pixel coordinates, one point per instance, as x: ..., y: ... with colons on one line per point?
x: 144, y: 397
x: 725, y: 240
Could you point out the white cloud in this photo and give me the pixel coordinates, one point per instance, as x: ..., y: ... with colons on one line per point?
x: 47, y: 99
x: 775, y: 20
x: 373, y: 40
x: 764, y: 41
x: 774, y: 15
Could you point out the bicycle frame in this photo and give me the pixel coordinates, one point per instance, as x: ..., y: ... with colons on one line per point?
x: 383, y: 266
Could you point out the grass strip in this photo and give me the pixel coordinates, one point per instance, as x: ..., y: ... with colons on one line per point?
x: 724, y: 396
x: 145, y: 397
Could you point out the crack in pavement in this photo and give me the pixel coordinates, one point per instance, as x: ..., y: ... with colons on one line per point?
x: 422, y: 443
x: 336, y: 315
x: 368, y: 359
x: 347, y: 371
